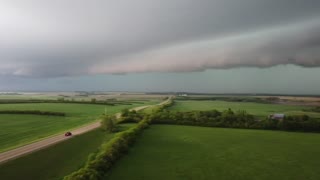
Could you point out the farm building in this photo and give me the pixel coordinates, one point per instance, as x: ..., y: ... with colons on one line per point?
x: 183, y: 95
x: 277, y: 116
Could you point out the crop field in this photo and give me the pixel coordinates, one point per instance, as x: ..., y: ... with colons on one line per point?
x: 201, y: 153
x: 78, y: 96
x: 27, y: 96
x: 56, y: 161
x: 258, y: 109
x: 19, y: 129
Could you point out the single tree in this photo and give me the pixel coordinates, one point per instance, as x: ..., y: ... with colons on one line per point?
x: 108, y: 123
x: 93, y: 100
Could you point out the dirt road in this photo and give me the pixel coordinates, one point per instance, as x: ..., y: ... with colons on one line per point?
x: 14, y: 153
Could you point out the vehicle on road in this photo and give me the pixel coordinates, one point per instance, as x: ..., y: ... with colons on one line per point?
x: 68, y: 134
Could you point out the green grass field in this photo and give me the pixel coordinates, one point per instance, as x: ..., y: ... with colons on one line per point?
x: 56, y: 161
x: 258, y: 109
x: 200, y: 153
x: 28, y: 97
x: 17, y: 130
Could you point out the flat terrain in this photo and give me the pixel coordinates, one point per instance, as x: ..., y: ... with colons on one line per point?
x: 56, y: 161
x: 17, y: 130
x: 200, y: 153
x: 80, y: 96
x: 258, y: 109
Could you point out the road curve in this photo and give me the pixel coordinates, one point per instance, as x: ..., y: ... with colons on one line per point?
x: 27, y: 149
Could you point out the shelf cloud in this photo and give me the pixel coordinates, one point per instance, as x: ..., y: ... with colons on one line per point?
x: 297, y: 44
x: 78, y: 37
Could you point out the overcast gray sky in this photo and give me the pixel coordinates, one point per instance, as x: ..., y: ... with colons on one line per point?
x: 217, y: 46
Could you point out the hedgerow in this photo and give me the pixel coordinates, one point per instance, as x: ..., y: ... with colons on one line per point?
x: 99, y: 163
x: 36, y: 112
x: 227, y: 119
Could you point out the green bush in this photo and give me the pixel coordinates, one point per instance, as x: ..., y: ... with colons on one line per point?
x: 108, y: 123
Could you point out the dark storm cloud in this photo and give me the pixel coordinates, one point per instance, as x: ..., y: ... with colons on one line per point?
x: 295, y: 44
x: 76, y: 37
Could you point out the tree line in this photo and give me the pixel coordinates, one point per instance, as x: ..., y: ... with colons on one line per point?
x: 228, y: 119
x: 133, y: 116
x: 35, y: 112
x: 63, y: 100
x: 314, y: 109
x: 100, y: 162
x: 231, y: 99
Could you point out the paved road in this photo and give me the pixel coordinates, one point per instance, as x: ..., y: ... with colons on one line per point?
x: 14, y: 153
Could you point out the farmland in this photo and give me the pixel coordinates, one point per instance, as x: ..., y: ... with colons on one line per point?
x: 165, y: 151
x: 184, y: 152
x: 18, y: 129
x: 258, y: 109
x: 56, y: 161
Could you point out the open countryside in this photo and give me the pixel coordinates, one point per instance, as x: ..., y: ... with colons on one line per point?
x: 165, y: 150
x: 159, y: 90
x: 21, y: 129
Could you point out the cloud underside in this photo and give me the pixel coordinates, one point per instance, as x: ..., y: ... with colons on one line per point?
x: 297, y: 44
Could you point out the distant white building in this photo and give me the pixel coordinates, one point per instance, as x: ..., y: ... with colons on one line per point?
x: 183, y: 95
x: 277, y: 116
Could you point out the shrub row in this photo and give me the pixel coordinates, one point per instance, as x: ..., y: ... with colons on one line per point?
x: 134, y: 116
x: 239, y: 119
x: 113, y: 103
x: 227, y: 118
x: 164, y: 106
x: 315, y: 109
x: 214, y: 118
x: 228, y: 99
x: 292, y: 123
x: 36, y: 112
x: 131, y: 116
x: 99, y: 163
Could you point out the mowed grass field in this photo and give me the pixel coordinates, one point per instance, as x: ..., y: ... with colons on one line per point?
x: 56, y: 161
x: 20, y: 129
x: 200, y: 153
x: 258, y: 109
